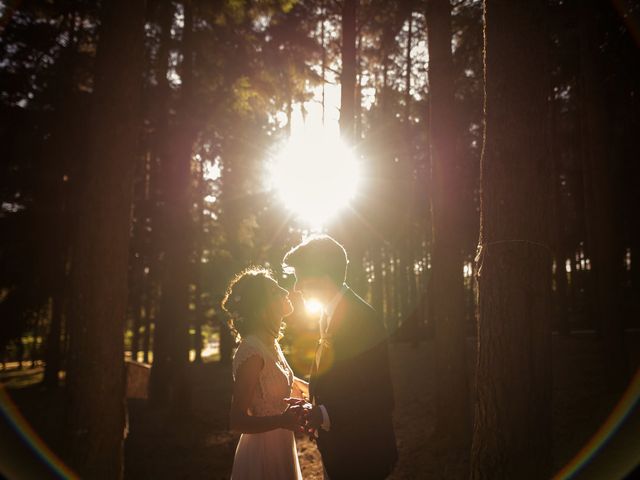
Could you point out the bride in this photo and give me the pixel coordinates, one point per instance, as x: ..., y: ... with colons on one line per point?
x: 262, y: 380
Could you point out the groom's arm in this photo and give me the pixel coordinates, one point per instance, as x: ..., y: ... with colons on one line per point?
x: 361, y: 388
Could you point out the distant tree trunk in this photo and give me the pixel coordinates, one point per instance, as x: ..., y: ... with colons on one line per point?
x: 168, y: 382
x: 226, y: 341
x: 136, y: 296
x: 96, y: 407
x: 376, y: 286
x: 149, y: 318
x: 635, y: 263
x: 402, y: 281
x: 603, y: 230
x: 197, y: 337
x: 198, y: 313
x: 20, y: 352
x: 358, y: 94
x: 407, y: 250
x: 558, y: 237
x: 156, y: 345
x: 347, y: 124
x: 407, y: 73
x: 512, y: 430
x: 323, y: 63
x: 289, y: 107
x: 452, y: 395
x: 136, y: 327
x: 561, y: 295
x: 348, y: 76
x: 146, y: 337
x: 63, y: 151
x: 53, y: 350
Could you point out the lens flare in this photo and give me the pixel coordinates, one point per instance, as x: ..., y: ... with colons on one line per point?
x: 315, y: 177
x: 313, y: 306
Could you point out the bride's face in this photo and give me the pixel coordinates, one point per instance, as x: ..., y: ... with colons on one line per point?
x: 279, y: 306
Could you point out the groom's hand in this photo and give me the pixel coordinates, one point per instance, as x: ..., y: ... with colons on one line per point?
x: 313, y: 418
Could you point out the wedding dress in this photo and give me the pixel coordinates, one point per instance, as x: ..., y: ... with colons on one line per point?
x: 272, y: 454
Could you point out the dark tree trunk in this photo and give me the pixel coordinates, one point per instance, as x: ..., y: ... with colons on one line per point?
x: 148, y: 321
x: 376, y: 286
x: 323, y: 64
x: 136, y: 297
x: 198, y: 313
x: 603, y: 229
x: 53, y: 349
x: 512, y: 430
x: 558, y: 237
x: 96, y: 407
x: 348, y: 76
x: 168, y: 383
x: 452, y: 396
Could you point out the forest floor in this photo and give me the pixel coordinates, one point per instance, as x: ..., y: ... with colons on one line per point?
x: 198, y: 445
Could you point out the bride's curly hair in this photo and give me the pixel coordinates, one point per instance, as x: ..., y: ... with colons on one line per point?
x: 246, y: 298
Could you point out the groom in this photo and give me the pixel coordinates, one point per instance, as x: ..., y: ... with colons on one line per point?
x: 350, y: 388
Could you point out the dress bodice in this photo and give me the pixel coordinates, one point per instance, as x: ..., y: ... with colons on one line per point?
x: 276, y: 377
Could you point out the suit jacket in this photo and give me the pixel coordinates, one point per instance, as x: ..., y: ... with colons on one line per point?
x: 353, y: 382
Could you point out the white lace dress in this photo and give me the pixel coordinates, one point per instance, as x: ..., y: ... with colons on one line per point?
x: 272, y: 454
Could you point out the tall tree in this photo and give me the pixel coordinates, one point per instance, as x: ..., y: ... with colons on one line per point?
x: 348, y: 75
x: 452, y: 395
x: 512, y: 436
x: 168, y: 372
x: 96, y: 408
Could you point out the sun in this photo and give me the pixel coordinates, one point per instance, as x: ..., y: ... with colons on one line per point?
x: 315, y: 176
x: 313, y: 306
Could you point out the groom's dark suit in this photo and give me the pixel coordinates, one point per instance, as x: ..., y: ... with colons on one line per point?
x: 353, y: 383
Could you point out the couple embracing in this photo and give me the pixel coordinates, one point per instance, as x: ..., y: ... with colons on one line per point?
x: 347, y: 404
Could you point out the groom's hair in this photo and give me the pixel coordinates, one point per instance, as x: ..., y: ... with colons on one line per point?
x: 318, y: 255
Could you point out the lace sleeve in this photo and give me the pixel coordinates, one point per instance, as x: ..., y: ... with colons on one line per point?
x: 245, y: 350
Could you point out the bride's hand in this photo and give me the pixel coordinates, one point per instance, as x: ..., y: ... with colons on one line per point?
x: 293, y: 401
x: 293, y: 418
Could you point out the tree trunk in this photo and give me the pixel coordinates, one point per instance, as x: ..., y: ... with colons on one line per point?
x: 558, y: 240
x: 168, y: 383
x: 148, y: 320
x: 452, y: 396
x: 136, y: 308
x: 53, y: 351
x: 376, y: 286
x: 96, y: 407
x: 603, y: 231
x: 226, y: 340
x: 512, y: 430
x: 348, y: 76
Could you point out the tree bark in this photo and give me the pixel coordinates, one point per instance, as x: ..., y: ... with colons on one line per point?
x: 512, y: 429
x: 96, y: 407
x: 452, y: 396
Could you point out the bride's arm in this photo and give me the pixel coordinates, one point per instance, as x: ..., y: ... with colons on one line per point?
x: 300, y: 388
x: 244, y: 388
